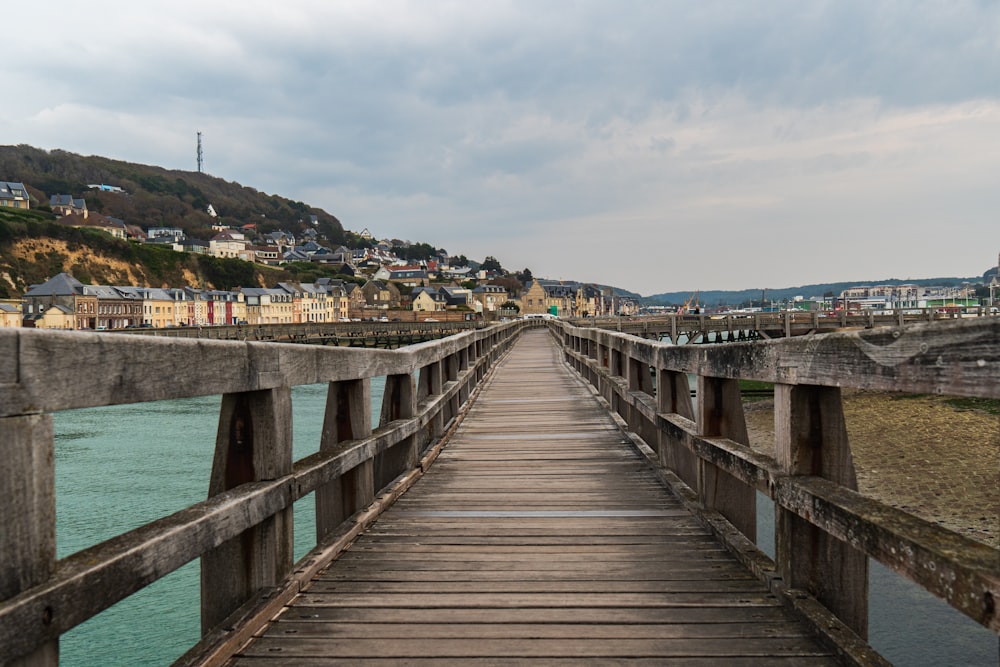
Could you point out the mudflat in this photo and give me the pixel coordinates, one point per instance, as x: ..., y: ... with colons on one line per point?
x: 919, y: 454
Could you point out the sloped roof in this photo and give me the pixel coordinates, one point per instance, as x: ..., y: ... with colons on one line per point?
x: 62, y: 284
x: 12, y: 190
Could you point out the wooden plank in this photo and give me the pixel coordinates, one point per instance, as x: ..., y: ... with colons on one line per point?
x: 465, y: 661
x: 577, y: 647
x: 516, y: 630
x: 539, y: 535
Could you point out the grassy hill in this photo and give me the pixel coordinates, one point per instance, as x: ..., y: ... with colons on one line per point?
x: 157, y: 197
x: 33, y: 247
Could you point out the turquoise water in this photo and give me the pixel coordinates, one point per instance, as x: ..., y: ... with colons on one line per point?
x: 120, y: 467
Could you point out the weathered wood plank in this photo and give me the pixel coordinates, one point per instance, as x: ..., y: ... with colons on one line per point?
x: 439, y: 661
x: 578, y: 647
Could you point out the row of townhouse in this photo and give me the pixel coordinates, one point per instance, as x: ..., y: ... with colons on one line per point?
x: 63, y: 302
x: 572, y: 299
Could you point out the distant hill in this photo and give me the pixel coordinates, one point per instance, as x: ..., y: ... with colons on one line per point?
x: 716, y: 298
x: 157, y: 197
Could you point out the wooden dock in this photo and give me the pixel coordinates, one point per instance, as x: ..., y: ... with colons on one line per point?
x: 540, y: 535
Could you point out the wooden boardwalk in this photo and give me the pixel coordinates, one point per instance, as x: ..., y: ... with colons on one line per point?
x: 539, y: 536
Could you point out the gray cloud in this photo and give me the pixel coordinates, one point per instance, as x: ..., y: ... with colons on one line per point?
x: 544, y: 133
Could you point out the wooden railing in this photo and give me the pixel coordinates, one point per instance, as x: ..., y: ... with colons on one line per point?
x: 825, y: 531
x: 705, y: 328
x: 310, y: 330
x: 243, y: 532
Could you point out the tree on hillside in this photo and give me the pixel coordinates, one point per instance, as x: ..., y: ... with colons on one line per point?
x: 491, y: 264
x: 415, y: 252
x: 524, y: 275
x: 510, y: 283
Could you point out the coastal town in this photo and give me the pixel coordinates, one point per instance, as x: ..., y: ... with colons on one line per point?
x: 368, y: 283
x: 371, y: 283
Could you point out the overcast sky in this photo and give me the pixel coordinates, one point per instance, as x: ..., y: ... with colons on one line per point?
x: 656, y: 146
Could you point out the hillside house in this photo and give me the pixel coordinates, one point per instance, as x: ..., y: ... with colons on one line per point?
x: 112, y: 226
x: 456, y: 297
x: 230, y: 244
x: 427, y: 299
x: 549, y: 296
x: 174, y: 233
x: 487, y: 299
x: 14, y: 195
x: 68, y: 205
x: 266, y: 254
x: 408, y: 276
x: 380, y: 294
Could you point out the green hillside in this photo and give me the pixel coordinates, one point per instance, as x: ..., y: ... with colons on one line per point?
x: 157, y: 197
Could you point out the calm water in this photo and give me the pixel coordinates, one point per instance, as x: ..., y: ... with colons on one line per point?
x: 906, y: 624
x: 120, y: 467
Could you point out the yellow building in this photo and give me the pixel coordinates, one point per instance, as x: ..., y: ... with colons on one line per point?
x: 57, y: 317
x: 10, y: 313
x: 427, y: 299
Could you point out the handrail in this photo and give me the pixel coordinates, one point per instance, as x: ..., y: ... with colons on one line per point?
x: 824, y: 529
x: 698, y: 327
x: 254, y: 481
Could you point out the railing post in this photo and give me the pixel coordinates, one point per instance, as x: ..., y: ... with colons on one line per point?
x: 673, y: 395
x: 640, y: 379
x: 431, y: 384
x: 399, y: 401
x: 347, y: 417
x: 451, y: 364
x: 28, y: 522
x: 477, y: 355
x: 720, y: 414
x: 464, y: 359
x: 811, y: 439
x: 254, y: 443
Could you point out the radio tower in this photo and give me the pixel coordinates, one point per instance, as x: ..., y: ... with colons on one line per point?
x: 199, y: 152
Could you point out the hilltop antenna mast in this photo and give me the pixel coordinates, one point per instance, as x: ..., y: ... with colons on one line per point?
x: 199, y: 153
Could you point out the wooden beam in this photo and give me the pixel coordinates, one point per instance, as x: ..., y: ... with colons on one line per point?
x: 811, y: 439
x: 347, y: 418
x: 254, y: 443
x: 28, y: 520
x: 720, y: 414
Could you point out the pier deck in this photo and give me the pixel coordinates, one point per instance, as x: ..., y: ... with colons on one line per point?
x: 539, y: 536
